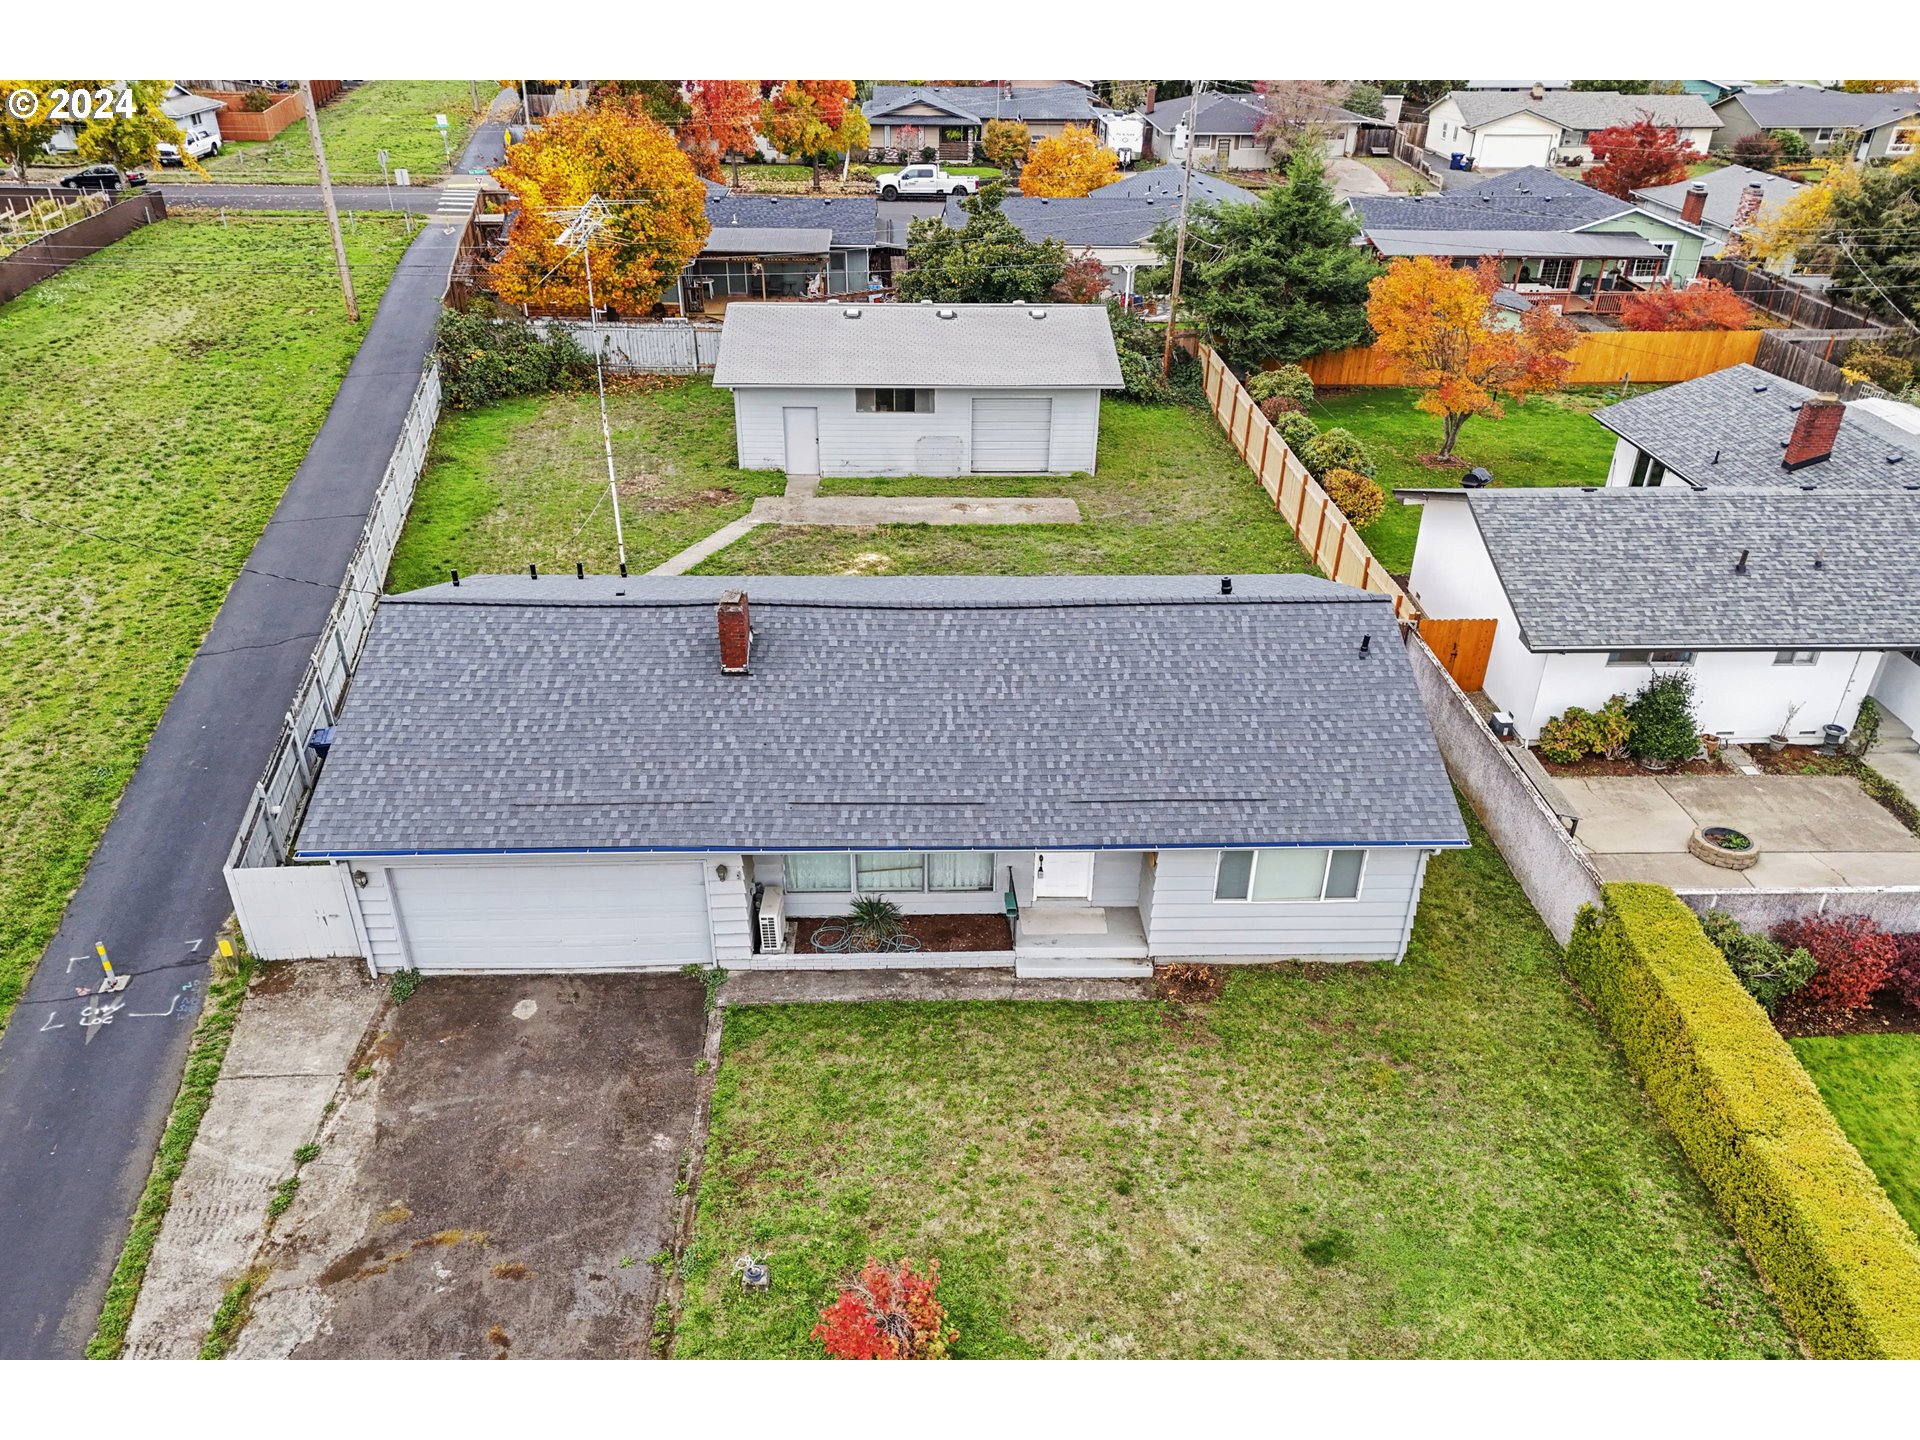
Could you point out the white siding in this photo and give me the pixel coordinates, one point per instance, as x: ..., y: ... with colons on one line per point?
x: 1187, y: 920
x: 1738, y: 693
x: 852, y: 443
x: 386, y: 946
x: 1453, y: 579
x: 812, y: 904
x: 1625, y: 453
x: 1898, y: 688
x: 1116, y: 876
x: 729, y: 908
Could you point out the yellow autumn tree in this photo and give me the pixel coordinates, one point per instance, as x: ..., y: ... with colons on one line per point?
x: 1070, y: 164
x: 1798, y: 226
x: 656, y: 223
x: 1004, y: 142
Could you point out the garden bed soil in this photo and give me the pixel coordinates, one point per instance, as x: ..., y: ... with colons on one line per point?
x: 943, y: 933
x: 1799, y: 760
x: 1595, y: 765
x: 1886, y: 1016
x: 1188, y: 983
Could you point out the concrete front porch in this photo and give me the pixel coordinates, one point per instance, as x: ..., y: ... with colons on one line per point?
x: 1066, y: 938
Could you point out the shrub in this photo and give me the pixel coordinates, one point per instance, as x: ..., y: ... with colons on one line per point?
x: 1819, y: 1228
x: 889, y: 1313
x: 1139, y: 345
x: 1612, y: 728
x: 1756, y: 151
x: 1661, y: 716
x: 1359, y: 499
x: 1793, y: 145
x: 1764, y: 970
x: 405, y: 982
x: 1336, y: 449
x: 1577, y: 733
x: 1880, y: 366
x: 1854, y: 955
x: 483, y: 360
x: 1904, y: 980
x: 1298, y: 430
x: 876, y: 920
x: 257, y: 101
x: 1276, y: 406
x: 1287, y: 382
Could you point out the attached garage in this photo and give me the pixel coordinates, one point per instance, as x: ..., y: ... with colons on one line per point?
x: 1012, y: 434
x: 1511, y: 150
x: 616, y: 916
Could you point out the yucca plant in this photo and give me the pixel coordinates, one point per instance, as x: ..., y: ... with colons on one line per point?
x: 875, y: 921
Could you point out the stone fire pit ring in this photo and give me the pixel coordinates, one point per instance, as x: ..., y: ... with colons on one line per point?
x: 1709, y: 843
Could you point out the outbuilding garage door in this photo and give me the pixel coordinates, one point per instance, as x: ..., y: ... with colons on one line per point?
x: 1511, y: 152
x: 553, y: 917
x: 1011, y: 434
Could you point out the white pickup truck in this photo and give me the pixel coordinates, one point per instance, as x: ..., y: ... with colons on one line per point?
x: 924, y: 180
x: 200, y: 144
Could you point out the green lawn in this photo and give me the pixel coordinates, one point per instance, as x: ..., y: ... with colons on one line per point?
x: 1440, y: 1158
x: 162, y: 394
x: 526, y: 481
x: 1171, y: 497
x: 1545, y: 440
x: 391, y: 115
x: 1872, y: 1085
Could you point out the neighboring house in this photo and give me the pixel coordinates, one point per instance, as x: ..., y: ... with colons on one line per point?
x: 189, y: 111
x: 769, y: 247
x: 917, y: 389
x: 1720, y: 201
x: 1163, y: 182
x: 1558, y: 242
x: 1228, y: 131
x: 1116, y: 228
x: 1713, y: 91
x: 1771, y: 599
x: 951, y: 117
x: 1887, y: 126
x: 646, y: 773
x: 1509, y: 129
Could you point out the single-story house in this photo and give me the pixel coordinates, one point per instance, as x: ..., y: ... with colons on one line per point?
x: 192, y: 113
x: 650, y: 772
x: 951, y: 118
x: 770, y: 247
x: 1746, y: 428
x: 1558, y: 242
x: 1509, y: 129
x: 1887, y: 126
x: 1720, y: 201
x: 1228, y: 131
x: 1163, y: 183
x: 1771, y: 599
x: 839, y: 389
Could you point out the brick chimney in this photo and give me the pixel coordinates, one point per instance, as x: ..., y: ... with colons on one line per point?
x: 736, y: 633
x: 1748, y: 207
x: 1695, y: 205
x: 1815, y: 429
x: 1539, y: 91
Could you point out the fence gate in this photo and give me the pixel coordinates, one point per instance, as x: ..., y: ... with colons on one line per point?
x: 1463, y: 646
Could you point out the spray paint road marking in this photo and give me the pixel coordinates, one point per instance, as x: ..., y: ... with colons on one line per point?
x: 50, y: 1025
x: 155, y: 1014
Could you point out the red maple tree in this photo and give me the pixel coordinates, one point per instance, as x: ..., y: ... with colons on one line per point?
x: 889, y: 1313
x: 721, y: 125
x: 1703, y: 305
x: 1642, y: 153
x: 1084, y: 280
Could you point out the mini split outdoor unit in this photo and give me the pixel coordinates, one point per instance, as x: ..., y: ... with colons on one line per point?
x: 773, y: 920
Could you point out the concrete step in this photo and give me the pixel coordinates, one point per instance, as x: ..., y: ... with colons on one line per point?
x: 1102, y: 967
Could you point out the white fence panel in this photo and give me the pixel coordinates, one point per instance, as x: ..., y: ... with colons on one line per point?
x: 295, y: 912
x: 670, y: 347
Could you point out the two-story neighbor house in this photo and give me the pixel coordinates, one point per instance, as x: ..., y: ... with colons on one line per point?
x: 1509, y: 129
x: 1884, y: 126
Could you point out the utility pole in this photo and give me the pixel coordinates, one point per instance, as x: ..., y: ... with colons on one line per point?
x: 1180, y: 243
x: 579, y: 235
x: 326, y: 201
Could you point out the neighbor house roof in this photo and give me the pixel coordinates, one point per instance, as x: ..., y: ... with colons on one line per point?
x: 1586, y: 244
x: 853, y: 219
x: 1096, y: 219
x: 1162, y: 182
x: 758, y: 240
x: 1234, y: 115
x: 982, y: 103
x: 1795, y: 107
x: 1725, y: 186
x: 1585, y: 109
x: 179, y: 102
x: 1619, y: 568
x: 1531, y: 198
x: 882, y: 712
x: 1729, y: 428
x: 979, y: 346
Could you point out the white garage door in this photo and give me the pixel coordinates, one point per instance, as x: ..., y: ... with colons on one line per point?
x: 553, y: 917
x: 1011, y: 434
x: 1510, y: 152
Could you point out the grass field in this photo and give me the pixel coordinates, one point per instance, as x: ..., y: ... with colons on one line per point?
x: 1872, y: 1085
x: 1440, y: 1158
x: 1547, y: 440
x: 391, y: 115
x: 160, y: 394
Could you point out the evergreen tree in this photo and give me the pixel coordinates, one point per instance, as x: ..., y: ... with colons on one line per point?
x: 986, y: 261
x: 1872, y: 226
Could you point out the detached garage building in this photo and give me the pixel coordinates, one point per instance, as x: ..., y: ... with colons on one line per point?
x: 839, y: 389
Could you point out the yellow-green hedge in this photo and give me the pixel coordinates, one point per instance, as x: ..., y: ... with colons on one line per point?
x: 1844, y: 1265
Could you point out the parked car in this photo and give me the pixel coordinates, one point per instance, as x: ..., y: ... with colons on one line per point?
x: 200, y: 144
x: 102, y: 177
x: 924, y: 180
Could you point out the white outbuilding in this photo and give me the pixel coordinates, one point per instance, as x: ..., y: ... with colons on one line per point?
x: 838, y: 389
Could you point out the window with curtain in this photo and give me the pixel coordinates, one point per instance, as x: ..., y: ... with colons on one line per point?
x: 891, y: 870
x: 819, y: 872
x: 1278, y: 875
x: 960, y: 870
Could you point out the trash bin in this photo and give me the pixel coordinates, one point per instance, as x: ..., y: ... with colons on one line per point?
x: 1457, y: 161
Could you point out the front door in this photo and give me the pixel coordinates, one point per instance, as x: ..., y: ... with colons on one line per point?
x: 1063, y: 875
x: 803, y: 440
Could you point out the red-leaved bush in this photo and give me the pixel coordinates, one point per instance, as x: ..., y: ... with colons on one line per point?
x: 889, y: 1313
x: 1905, y: 979
x: 1855, y: 956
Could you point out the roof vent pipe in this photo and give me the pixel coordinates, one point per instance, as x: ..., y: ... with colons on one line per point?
x: 579, y: 570
x: 1820, y: 559
x: 1740, y: 565
x: 456, y: 579
x: 1226, y: 584
x: 1366, y: 644
x: 533, y: 572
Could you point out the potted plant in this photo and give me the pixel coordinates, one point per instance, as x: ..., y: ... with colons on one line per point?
x: 1777, y: 741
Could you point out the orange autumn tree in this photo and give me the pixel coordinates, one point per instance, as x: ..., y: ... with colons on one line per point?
x: 722, y: 123
x: 1071, y: 164
x: 1437, y: 325
x: 807, y: 120
x: 1703, y: 305
x: 656, y: 223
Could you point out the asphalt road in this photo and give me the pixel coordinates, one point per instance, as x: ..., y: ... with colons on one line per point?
x: 84, y: 1089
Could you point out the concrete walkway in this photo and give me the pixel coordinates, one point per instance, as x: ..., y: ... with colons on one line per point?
x: 799, y: 987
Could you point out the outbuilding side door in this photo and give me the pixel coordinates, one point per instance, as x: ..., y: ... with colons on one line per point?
x: 803, y: 439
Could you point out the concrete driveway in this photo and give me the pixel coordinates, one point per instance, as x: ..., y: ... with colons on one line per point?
x: 1350, y: 177
x: 502, y: 1187
x: 1812, y: 830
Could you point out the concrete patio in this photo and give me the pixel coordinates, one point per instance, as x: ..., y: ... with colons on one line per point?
x: 1811, y: 830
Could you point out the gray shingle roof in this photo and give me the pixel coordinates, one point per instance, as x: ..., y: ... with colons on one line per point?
x: 1096, y: 219
x: 988, y: 102
x: 1234, y: 115
x: 1531, y: 198
x: 1792, y: 107
x: 961, y: 712
x: 755, y: 240
x: 1743, y: 415
x: 1594, y: 244
x: 1724, y: 189
x: 983, y: 346
x: 1162, y: 182
x: 1621, y: 568
x: 1586, y: 109
x: 851, y: 218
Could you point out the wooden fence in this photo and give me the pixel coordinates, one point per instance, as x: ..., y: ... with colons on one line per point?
x: 1798, y: 305
x: 54, y: 252
x: 1807, y: 360
x: 1604, y: 357
x: 239, y: 123
x: 1323, y: 532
